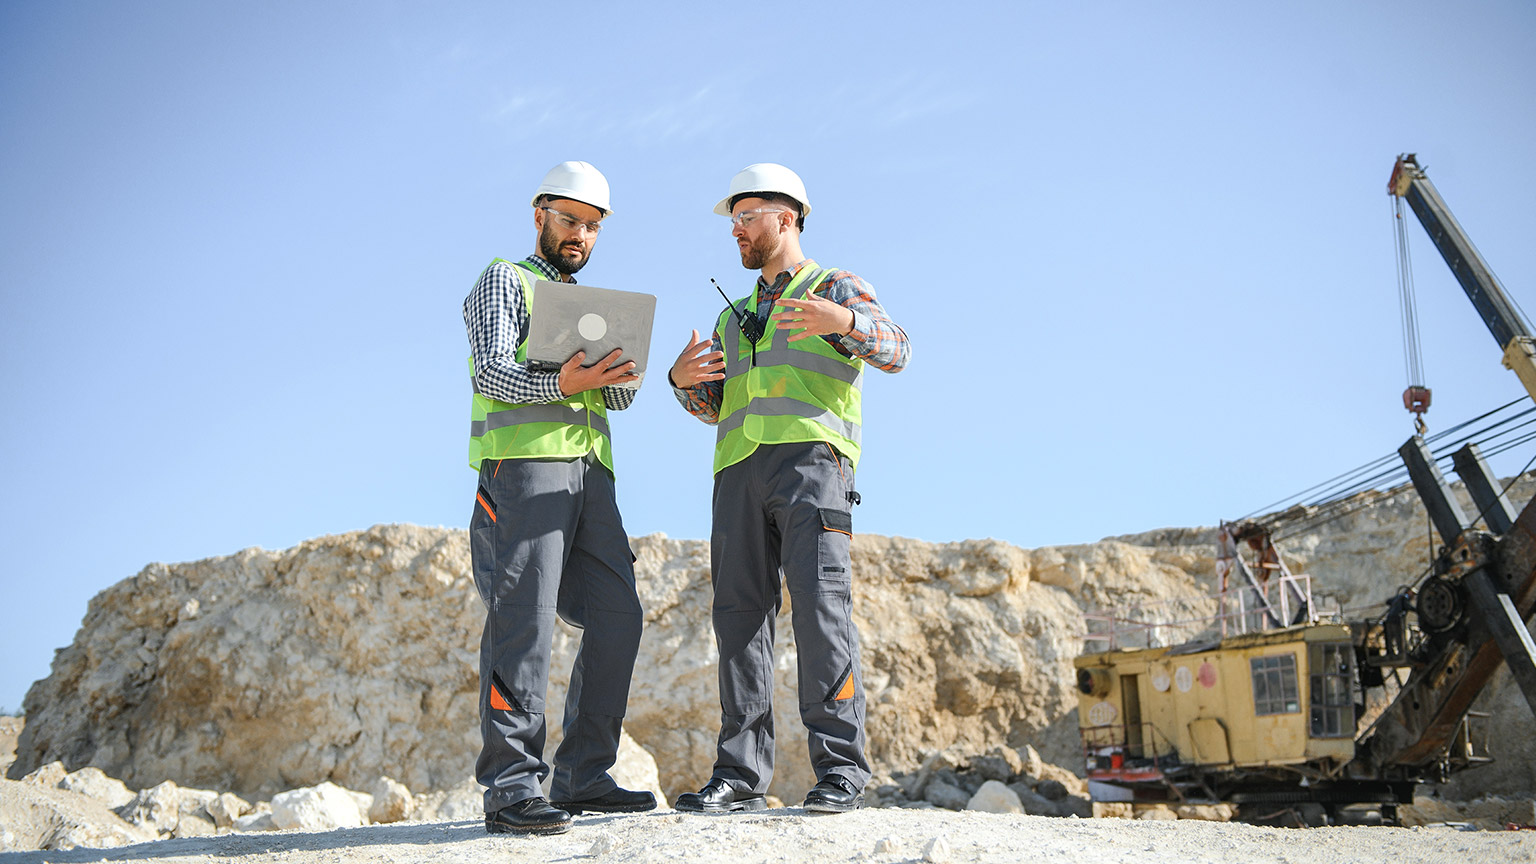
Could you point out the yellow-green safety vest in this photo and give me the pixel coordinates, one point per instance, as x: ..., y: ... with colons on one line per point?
x: 568, y: 429
x: 794, y: 391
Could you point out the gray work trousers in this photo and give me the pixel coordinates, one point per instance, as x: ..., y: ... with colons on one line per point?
x: 546, y: 539
x: 786, y: 508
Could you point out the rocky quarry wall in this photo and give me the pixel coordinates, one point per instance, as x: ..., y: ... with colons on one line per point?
x: 352, y: 656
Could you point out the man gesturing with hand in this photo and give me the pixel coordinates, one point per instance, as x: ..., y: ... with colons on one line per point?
x: 781, y: 380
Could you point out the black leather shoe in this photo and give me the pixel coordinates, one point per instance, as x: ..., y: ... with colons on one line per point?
x: 718, y: 796
x: 616, y: 801
x: 834, y: 794
x: 528, y: 816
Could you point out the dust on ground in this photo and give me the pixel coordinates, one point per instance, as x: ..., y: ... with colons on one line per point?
x: 883, y: 836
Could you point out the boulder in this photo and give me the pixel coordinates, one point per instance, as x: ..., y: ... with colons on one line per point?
x: 1051, y: 790
x: 1206, y: 812
x: 466, y: 800
x: 325, y: 807
x: 991, y: 768
x: 94, y: 783
x: 157, y: 808
x: 35, y: 816
x: 194, y: 826
x: 1156, y: 813
x: 941, y: 794
x: 260, y: 821
x: 49, y: 775
x: 1033, y: 802
x: 1076, y: 806
x: 226, y: 808
x: 994, y: 797
x: 392, y: 802
x: 10, y: 731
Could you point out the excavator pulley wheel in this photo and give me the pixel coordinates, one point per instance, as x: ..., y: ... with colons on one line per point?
x: 1440, y: 605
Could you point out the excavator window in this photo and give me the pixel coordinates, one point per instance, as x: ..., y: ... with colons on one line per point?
x: 1332, y: 686
x: 1274, y: 685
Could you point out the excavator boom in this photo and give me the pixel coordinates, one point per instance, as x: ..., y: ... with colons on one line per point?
x: 1503, y: 318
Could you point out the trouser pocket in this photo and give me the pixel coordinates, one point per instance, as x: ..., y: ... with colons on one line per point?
x: 833, y: 549
x: 482, y: 544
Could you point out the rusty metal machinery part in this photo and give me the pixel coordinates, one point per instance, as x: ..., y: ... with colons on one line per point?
x: 1440, y: 605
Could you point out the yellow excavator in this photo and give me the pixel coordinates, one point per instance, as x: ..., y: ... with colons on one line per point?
x: 1254, y: 698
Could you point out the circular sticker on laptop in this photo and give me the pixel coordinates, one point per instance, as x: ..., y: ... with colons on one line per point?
x: 591, y: 326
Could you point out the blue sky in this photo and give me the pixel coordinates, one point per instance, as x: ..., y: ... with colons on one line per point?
x: 1143, y: 251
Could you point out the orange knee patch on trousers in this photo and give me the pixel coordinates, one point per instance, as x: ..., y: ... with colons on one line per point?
x: 498, y: 701
x: 846, y: 692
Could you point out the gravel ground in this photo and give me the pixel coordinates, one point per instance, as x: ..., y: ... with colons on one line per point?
x: 884, y: 836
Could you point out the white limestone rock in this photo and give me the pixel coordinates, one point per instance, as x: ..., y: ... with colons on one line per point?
x: 226, y: 808
x: 252, y: 822
x: 325, y: 807
x: 605, y: 843
x: 194, y: 826
x: 466, y: 800
x: 94, y: 783
x: 636, y: 769
x: 392, y: 802
x: 995, y: 797
x: 50, y: 775
x: 46, y: 817
x: 157, y: 808
x: 1156, y: 813
x: 364, y: 803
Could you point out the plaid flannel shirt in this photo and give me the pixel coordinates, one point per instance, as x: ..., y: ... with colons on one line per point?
x: 876, y: 339
x: 496, y: 318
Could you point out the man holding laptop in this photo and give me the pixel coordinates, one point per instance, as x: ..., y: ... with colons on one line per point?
x: 546, y: 538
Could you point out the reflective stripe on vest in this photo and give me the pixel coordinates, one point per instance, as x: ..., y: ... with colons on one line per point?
x: 567, y: 429
x: 796, y: 391
x: 554, y: 412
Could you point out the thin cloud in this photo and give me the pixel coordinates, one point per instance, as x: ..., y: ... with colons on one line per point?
x: 700, y: 113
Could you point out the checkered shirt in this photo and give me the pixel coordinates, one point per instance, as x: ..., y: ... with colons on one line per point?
x: 496, y: 318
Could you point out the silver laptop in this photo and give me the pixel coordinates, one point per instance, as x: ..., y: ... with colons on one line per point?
x: 567, y: 318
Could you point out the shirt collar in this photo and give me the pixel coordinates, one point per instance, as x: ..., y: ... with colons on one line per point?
x: 786, y: 275
x: 547, y: 269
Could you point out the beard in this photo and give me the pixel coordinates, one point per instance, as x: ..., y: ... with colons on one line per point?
x: 568, y: 258
x: 759, y: 251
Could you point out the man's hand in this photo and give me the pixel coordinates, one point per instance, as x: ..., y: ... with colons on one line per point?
x: 814, y: 316
x: 697, y: 364
x: 575, y: 378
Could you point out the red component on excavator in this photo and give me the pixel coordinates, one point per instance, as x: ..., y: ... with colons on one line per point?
x: 1416, y: 399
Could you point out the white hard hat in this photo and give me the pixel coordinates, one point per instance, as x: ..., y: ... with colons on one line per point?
x: 578, y: 181
x: 765, y: 177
